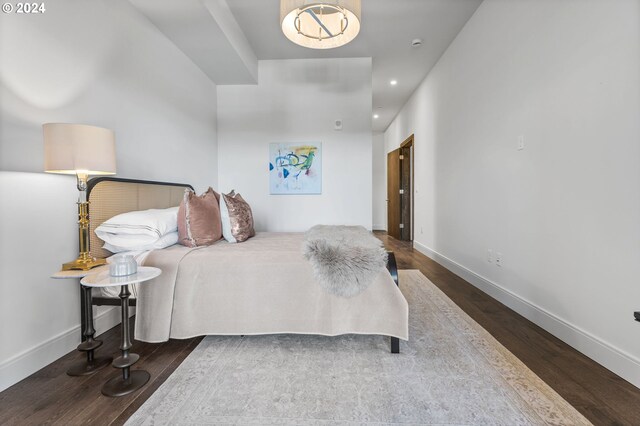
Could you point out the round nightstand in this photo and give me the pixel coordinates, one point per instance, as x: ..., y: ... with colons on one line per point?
x: 130, y: 381
x: 89, y: 345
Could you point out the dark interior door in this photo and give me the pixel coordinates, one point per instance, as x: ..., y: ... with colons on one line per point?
x: 393, y: 194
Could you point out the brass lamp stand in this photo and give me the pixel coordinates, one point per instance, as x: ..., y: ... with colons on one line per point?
x: 85, y: 261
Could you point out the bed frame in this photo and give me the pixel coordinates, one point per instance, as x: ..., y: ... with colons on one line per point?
x: 109, y: 196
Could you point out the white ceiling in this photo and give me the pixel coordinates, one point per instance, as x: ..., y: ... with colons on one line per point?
x: 224, y: 38
x: 207, y: 32
x: 388, y: 27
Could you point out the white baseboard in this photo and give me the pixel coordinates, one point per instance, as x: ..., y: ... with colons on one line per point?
x: 623, y: 364
x: 379, y: 227
x: 28, y: 362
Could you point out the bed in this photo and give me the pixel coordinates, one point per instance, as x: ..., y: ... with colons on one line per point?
x: 261, y: 286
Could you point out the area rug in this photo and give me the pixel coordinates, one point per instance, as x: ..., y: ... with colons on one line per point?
x: 450, y: 372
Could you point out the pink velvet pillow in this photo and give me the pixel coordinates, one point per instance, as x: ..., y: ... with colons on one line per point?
x: 237, y: 218
x: 199, y: 221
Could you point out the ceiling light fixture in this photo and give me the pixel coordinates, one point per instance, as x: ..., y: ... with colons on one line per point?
x: 376, y: 116
x: 320, y: 24
x: 393, y: 82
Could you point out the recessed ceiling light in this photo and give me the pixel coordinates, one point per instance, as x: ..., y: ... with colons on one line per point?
x: 393, y: 82
x: 376, y: 116
x: 416, y: 42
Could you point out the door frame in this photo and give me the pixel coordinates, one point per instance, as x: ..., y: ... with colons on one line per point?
x: 394, y: 217
x: 409, y: 143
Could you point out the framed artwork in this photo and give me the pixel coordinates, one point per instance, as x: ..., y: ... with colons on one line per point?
x: 295, y: 168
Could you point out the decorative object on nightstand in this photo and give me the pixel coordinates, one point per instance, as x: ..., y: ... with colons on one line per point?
x: 123, y: 265
x: 130, y: 381
x: 89, y: 345
x: 81, y: 150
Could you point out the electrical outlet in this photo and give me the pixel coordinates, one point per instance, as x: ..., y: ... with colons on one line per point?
x: 520, y: 142
x: 421, y: 230
x: 490, y: 256
x: 499, y: 259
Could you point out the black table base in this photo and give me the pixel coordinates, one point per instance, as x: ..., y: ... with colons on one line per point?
x: 93, y: 363
x: 89, y: 367
x: 118, y: 386
x: 130, y: 381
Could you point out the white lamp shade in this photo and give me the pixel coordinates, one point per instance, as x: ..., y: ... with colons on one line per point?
x: 309, y: 29
x: 78, y: 148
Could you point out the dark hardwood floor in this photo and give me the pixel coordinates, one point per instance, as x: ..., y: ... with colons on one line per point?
x: 49, y: 396
x: 600, y: 395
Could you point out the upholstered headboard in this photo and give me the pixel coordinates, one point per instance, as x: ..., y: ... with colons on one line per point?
x: 110, y: 196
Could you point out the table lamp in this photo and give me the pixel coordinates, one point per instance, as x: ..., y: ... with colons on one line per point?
x: 81, y: 150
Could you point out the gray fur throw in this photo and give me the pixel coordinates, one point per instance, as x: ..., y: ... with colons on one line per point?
x: 345, y: 259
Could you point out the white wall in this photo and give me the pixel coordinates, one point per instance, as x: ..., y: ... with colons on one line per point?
x: 379, y: 183
x: 99, y: 63
x: 299, y: 101
x: 565, y: 211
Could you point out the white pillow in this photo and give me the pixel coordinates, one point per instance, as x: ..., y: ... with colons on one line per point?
x: 138, y: 228
x: 122, y: 243
x: 226, y: 220
x: 153, y: 222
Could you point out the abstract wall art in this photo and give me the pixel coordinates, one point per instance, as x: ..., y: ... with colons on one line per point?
x: 295, y: 168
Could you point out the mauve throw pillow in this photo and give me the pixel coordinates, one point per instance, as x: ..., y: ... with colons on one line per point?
x: 237, y: 218
x: 199, y: 219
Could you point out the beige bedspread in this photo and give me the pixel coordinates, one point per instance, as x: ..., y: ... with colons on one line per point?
x: 261, y: 286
